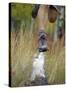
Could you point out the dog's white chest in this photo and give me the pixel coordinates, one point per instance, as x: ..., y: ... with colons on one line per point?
x: 38, y: 66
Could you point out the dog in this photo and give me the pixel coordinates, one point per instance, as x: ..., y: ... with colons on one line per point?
x: 38, y: 66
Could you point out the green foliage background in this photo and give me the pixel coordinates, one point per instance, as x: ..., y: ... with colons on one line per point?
x: 21, y: 11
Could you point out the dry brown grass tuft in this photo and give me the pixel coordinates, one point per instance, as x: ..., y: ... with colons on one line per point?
x: 23, y: 48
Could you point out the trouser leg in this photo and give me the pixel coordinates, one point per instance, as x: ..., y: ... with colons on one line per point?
x: 42, y: 20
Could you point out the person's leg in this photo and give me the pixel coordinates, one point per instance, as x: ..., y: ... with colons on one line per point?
x: 44, y: 13
x: 42, y: 18
x: 53, y: 13
x: 35, y: 10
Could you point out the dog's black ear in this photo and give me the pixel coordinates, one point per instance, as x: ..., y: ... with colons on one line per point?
x: 35, y: 10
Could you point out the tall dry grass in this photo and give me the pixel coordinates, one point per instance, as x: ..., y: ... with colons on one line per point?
x: 23, y: 47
